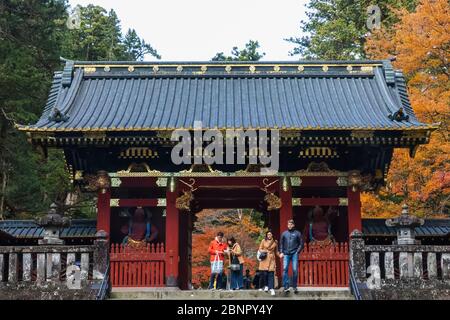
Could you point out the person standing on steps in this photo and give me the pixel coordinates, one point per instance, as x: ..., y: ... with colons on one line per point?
x: 291, y: 244
x: 216, y: 250
x: 268, y: 250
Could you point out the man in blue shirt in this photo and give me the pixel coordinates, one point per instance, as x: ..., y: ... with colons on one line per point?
x: 291, y: 244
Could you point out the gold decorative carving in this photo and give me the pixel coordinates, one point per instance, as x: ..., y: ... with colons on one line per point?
x: 90, y: 69
x: 78, y: 175
x: 164, y: 134
x: 362, y: 134
x: 367, y: 69
x: 172, y: 184
x: 296, y: 181
x: 318, y: 169
x: 200, y: 168
x: 113, y: 203
x: 184, y: 201
x: 349, y: 68
x: 414, y: 134
x: 228, y: 69
x: 318, y: 152
x: 179, y: 68
x: 130, y: 68
x: 325, y: 68
x: 273, y: 201
x: 203, y: 68
x: 286, y: 183
x: 354, y: 179
x: 116, y: 182
x: 276, y: 68
x: 342, y: 181
x: 107, y: 69
x: 162, y: 202
x: 161, y: 182
x: 290, y: 134
x: 301, y: 68
x: 139, y: 168
x: 343, y: 202
x: 155, y: 69
x: 252, y: 69
x: 138, y: 152
x: 95, y: 135
x: 296, y: 202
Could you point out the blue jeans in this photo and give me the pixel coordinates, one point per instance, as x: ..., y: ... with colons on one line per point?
x: 269, y: 279
x: 286, y: 261
x: 218, y: 282
x: 237, y: 278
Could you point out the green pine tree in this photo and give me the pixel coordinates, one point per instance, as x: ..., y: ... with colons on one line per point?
x: 337, y: 29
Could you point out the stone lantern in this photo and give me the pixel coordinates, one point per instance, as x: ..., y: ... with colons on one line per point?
x: 52, y: 223
x: 405, y: 225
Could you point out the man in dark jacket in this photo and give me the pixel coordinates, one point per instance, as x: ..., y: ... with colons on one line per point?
x: 291, y: 244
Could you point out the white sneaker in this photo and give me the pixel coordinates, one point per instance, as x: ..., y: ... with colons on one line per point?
x: 272, y: 292
x: 266, y: 289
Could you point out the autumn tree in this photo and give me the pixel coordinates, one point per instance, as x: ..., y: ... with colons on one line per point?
x: 420, y: 42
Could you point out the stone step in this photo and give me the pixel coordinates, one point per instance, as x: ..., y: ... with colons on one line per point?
x: 175, y: 294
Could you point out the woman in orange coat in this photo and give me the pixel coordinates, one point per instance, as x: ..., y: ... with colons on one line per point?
x: 216, y: 250
x: 269, y: 246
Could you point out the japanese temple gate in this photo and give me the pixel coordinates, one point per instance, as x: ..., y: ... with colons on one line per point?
x: 178, y: 224
x: 339, y: 122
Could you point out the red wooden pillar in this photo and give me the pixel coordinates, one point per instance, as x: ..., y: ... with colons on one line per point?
x: 172, y: 239
x: 286, y: 212
x: 354, y: 210
x: 104, y: 211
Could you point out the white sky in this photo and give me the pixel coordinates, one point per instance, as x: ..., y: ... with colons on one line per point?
x: 198, y: 29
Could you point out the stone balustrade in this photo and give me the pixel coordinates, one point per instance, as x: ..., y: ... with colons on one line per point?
x: 400, y: 270
x: 52, y: 271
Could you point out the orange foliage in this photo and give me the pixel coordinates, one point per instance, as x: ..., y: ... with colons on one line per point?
x: 245, y: 231
x: 421, y: 44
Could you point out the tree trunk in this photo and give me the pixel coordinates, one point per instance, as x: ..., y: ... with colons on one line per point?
x: 3, y: 191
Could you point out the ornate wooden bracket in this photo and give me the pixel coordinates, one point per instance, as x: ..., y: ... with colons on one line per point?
x: 184, y: 201
x: 272, y: 200
x: 101, y: 182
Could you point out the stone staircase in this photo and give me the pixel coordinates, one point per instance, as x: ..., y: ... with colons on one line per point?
x: 176, y: 294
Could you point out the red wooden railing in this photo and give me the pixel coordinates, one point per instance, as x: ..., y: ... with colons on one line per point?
x: 324, y: 267
x: 143, y: 267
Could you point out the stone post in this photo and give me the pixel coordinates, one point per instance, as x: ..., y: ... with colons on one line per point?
x: 1, y: 267
x: 101, y: 255
x: 432, y: 265
x: 357, y: 256
x: 13, y: 268
x: 389, y: 265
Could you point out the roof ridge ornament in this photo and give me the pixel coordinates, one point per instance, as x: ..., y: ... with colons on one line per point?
x: 399, y: 115
x: 58, y: 116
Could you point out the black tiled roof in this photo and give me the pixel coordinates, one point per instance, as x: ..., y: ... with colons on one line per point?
x: 328, y: 95
x: 431, y: 227
x: 28, y: 229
